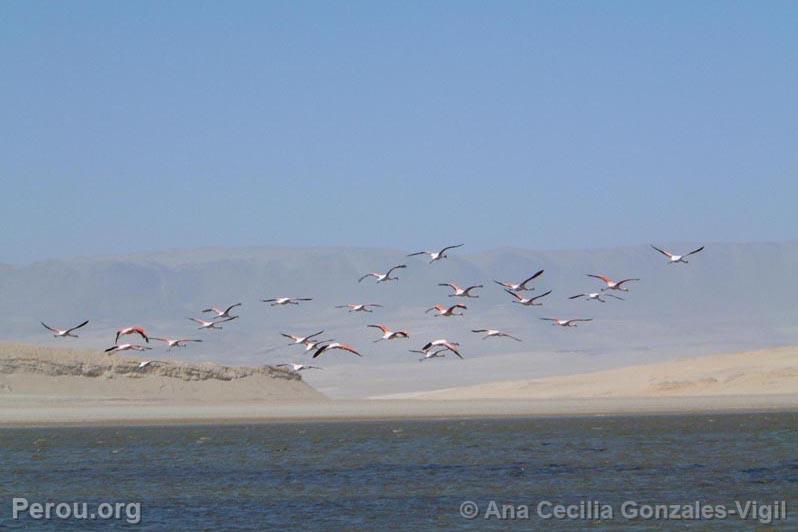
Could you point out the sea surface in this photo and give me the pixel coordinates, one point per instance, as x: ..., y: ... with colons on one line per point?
x: 412, y: 475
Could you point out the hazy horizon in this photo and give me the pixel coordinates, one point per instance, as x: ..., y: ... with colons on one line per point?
x: 466, y: 250
x: 720, y: 302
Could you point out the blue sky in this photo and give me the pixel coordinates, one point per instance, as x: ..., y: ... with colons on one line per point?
x: 150, y: 125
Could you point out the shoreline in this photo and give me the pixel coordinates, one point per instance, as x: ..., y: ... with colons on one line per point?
x: 141, y: 414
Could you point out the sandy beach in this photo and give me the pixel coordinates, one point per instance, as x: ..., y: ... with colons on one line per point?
x: 45, y: 411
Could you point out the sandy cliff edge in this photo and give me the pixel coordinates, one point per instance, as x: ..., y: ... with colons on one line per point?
x: 32, y: 373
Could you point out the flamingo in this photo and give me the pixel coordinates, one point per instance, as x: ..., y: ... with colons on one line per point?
x: 528, y: 302
x: 144, y: 363
x: 175, y: 342
x: 440, y: 353
x: 127, y: 347
x: 383, y: 277
x: 519, y: 287
x: 460, y: 292
x: 310, y: 345
x: 613, y: 285
x: 301, y: 339
x: 335, y: 345
x: 442, y: 310
x: 442, y: 343
x: 493, y: 333
x: 566, y: 323
x: 388, y: 334
x: 359, y: 307
x: 673, y: 259
x: 297, y: 367
x: 286, y: 300
x: 63, y: 333
x: 222, y: 313
x: 595, y: 296
x: 211, y: 324
x: 131, y: 330
x: 435, y: 255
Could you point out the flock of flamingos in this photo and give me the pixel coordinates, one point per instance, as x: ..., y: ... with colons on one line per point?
x: 432, y: 349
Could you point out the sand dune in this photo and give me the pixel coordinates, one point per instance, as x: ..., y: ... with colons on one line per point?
x: 31, y: 375
x: 767, y: 372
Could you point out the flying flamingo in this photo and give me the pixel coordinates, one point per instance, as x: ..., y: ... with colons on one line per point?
x: 286, y: 300
x: 131, y: 330
x: 359, y: 307
x: 612, y: 285
x: 297, y: 367
x: 175, y: 342
x: 300, y: 339
x: 443, y: 343
x: 383, y: 277
x: 566, y: 323
x: 442, y: 310
x: 211, y: 324
x: 335, y: 345
x: 310, y: 345
x: 519, y: 287
x: 493, y: 333
x: 127, y: 347
x: 63, y: 333
x: 591, y: 296
x: 460, y: 292
x: 144, y: 363
x: 219, y: 313
x: 440, y: 353
x: 435, y: 255
x: 388, y: 334
x: 529, y: 302
x: 673, y: 259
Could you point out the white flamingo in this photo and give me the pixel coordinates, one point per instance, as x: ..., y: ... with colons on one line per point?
x: 442, y: 343
x: 144, y: 363
x: 310, y: 345
x: 442, y: 310
x: 494, y: 333
x: 440, y: 353
x: 336, y: 345
x: 127, y: 347
x: 566, y: 323
x: 673, y: 259
x: 175, y: 342
x: 595, y: 296
x: 359, y: 307
x: 64, y: 333
x: 219, y: 313
x: 300, y: 339
x: 519, y: 287
x: 211, y: 324
x: 297, y: 367
x: 383, y: 277
x: 276, y: 301
x: 527, y: 301
x: 435, y: 255
x: 613, y: 285
x: 461, y: 292
x: 388, y: 334
x: 131, y: 330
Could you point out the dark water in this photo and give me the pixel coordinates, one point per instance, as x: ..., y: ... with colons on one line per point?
x: 403, y: 474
